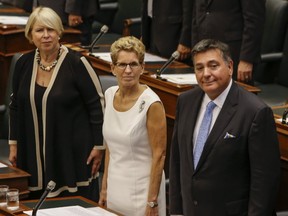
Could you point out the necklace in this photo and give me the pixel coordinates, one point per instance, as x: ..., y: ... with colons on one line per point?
x: 49, y: 67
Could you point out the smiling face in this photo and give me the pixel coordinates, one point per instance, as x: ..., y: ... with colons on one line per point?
x: 127, y: 69
x: 212, y: 72
x: 45, y: 39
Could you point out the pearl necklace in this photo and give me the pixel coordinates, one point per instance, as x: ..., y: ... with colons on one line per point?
x: 49, y: 67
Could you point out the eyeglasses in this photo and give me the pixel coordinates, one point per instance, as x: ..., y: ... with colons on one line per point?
x: 132, y: 65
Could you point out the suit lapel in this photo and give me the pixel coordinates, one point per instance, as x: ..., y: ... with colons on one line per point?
x: 224, y: 118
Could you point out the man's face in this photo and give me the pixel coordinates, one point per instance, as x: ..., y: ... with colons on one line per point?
x: 212, y: 72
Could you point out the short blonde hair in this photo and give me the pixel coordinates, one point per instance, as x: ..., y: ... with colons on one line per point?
x: 129, y: 44
x: 45, y: 16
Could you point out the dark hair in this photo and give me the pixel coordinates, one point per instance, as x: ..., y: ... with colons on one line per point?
x: 208, y: 44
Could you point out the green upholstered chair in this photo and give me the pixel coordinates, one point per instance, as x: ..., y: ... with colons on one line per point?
x: 105, y: 14
x: 276, y: 93
x: 127, y: 9
x: 273, y: 40
x: 4, y: 109
x: 4, y: 113
x: 124, y: 21
x: 107, y: 81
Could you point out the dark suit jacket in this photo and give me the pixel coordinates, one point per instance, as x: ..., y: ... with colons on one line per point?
x: 239, y: 23
x: 171, y: 25
x: 235, y: 176
x: 85, y: 8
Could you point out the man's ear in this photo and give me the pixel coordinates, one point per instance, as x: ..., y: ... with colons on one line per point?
x: 230, y: 66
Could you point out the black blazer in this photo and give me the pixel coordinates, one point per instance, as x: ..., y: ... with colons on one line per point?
x: 239, y: 23
x: 171, y: 25
x: 234, y: 176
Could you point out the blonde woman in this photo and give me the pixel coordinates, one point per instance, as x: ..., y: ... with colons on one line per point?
x: 56, y: 112
x: 135, y: 132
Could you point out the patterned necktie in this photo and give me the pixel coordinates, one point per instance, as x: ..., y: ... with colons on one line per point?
x: 203, y: 132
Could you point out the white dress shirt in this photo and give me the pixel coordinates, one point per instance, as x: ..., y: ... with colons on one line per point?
x: 150, y: 8
x: 219, y: 101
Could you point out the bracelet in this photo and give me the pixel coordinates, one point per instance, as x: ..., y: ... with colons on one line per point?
x: 152, y: 204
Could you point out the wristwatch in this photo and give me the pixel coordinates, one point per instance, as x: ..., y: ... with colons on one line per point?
x: 152, y: 204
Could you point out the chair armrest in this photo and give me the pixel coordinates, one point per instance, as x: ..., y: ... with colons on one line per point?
x: 269, y: 57
x: 129, y: 22
x: 109, y: 6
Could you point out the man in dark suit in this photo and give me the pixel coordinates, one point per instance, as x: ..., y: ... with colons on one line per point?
x: 239, y: 168
x: 239, y: 23
x: 75, y: 13
x: 166, y: 27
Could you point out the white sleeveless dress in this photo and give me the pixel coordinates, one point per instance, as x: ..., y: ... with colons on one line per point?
x: 130, y: 156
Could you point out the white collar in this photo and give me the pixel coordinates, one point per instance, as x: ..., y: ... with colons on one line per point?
x: 219, y: 101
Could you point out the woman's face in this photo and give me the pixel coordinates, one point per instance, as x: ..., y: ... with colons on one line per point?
x: 127, y: 69
x: 44, y: 38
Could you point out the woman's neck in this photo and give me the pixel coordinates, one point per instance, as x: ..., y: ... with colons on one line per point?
x: 130, y: 92
x: 51, y: 56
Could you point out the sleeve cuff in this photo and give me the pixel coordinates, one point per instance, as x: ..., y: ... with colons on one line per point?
x: 102, y: 147
x: 12, y: 142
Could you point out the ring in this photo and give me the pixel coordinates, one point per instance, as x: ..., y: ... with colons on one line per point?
x: 246, y: 77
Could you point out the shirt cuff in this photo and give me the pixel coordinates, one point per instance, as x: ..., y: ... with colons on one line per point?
x: 12, y: 142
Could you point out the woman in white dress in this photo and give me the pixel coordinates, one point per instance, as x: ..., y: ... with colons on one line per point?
x: 135, y: 133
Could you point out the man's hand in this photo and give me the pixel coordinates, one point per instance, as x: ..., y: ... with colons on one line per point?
x: 13, y: 155
x: 184, y: 52
x: 244, y: 71
x: 74, y: 20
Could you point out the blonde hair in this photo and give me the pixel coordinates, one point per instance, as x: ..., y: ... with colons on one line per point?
x: 45, y: 16
x: 130, y: 44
